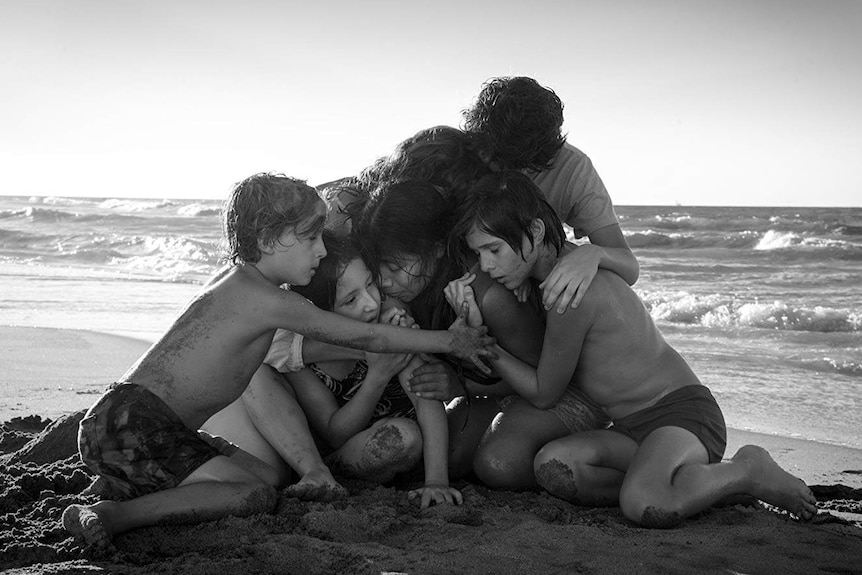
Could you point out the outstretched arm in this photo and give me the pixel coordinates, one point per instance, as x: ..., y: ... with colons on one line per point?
x: 288, y: 310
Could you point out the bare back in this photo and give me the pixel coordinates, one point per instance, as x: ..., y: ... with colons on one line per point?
x: 623, y: 362
x: 207, y: 357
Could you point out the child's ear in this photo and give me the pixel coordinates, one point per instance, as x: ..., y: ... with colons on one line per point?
x: 439, y: 250
x: 538, y: 230
x: 265, y: 247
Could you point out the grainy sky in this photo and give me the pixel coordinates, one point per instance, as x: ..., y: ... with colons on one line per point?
x: 692, y: 102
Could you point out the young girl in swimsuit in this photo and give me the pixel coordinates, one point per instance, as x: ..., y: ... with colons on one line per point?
x: 366, y: 422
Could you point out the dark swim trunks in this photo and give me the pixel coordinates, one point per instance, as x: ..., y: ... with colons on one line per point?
x: 138, y: 444
x: 692, y: 408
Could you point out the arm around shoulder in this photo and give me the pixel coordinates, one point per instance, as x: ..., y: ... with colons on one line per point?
x: 617, y: 256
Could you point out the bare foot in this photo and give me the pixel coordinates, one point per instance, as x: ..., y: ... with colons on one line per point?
x: 84, y: 522
x: 317, y: 485
x: 774, y: 485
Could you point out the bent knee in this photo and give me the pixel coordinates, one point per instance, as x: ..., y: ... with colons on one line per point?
x: 397, y: 441
x: 504, y: 469
x: 557, y: 478
x: 649, y: 507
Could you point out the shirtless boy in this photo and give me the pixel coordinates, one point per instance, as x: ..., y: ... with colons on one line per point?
x: 142, y: 435
x: 662, y: 458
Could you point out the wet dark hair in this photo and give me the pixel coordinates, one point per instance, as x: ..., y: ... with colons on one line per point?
x: 442, y: 155
x: 504, y: 205
x: 344, y: 200
x: 340, y: 251
x: 261, y: 207
x: 517, y: 123
x: 411, y: 217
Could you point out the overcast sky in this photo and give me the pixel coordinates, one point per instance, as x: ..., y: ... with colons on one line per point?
x: 692, y: 102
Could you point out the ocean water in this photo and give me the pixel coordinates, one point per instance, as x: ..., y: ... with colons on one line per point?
x: 765, y: 303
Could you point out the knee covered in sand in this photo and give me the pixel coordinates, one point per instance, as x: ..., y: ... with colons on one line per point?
x: 648, y: 508
x: 396, y: 442
x: 556, y: 478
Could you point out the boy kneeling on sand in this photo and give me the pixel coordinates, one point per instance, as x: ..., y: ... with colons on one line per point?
x: 142, y: 435
x: 661, y: 460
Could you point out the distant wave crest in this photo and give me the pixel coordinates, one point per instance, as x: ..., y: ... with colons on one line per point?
x: 724, y: 312
x: 123, y: 205
x: 831, y: 365
x: 790, y: 244
x: 197, y: 210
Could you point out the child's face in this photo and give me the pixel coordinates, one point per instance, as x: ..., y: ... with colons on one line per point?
x: 499, y: 260
x: 403, y: 278
x: 356, y: 294
x: 296, y: 258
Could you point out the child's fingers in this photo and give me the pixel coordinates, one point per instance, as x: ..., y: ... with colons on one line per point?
x: 480, y: 365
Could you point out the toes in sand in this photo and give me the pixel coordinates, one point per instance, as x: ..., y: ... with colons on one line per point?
x: 774, y: 485
x: 84, y: 523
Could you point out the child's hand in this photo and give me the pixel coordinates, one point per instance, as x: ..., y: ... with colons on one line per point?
x: 436, y: 379
x: 471, y: 343
x: 436, y: 494
x: 459, y: 291
x: 569, y: 279
x: 385, y: 366
x: 397, y: 316
x: 522, y: 292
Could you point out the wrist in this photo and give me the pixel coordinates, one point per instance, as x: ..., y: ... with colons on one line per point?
x: 441, y: 482
x: 377, y: 375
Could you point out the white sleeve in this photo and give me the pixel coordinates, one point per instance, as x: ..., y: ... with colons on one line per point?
x: 285, y: 352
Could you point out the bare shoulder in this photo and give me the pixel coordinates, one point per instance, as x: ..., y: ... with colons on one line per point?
x: 609, y: 298
x: 246, y: 282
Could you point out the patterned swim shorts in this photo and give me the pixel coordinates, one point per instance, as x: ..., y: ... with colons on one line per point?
x: 138, y: 444
x: 577, y: 411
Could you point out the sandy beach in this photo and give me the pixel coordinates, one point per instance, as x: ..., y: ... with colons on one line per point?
x: 48, y: 374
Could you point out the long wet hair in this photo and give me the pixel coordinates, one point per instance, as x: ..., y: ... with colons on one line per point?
x: 412, y: 218
x: 442, y: 155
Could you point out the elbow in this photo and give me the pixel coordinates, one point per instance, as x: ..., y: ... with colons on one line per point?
x: 634, y: 273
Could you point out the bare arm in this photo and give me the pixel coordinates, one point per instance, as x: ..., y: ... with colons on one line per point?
x: 563, y: 338
x: 314, y: 351
x: 431, y: 416
x: 574, y: 272
x: 335, y: 423
x: 279, y: 308
x: 542, y: 386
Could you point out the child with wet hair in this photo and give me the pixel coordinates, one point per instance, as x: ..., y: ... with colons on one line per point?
x: 516, y: 124
x: 662, y: 458
x: 368, y: 424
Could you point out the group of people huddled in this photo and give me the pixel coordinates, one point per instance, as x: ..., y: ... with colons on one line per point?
x: 427, y: 316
